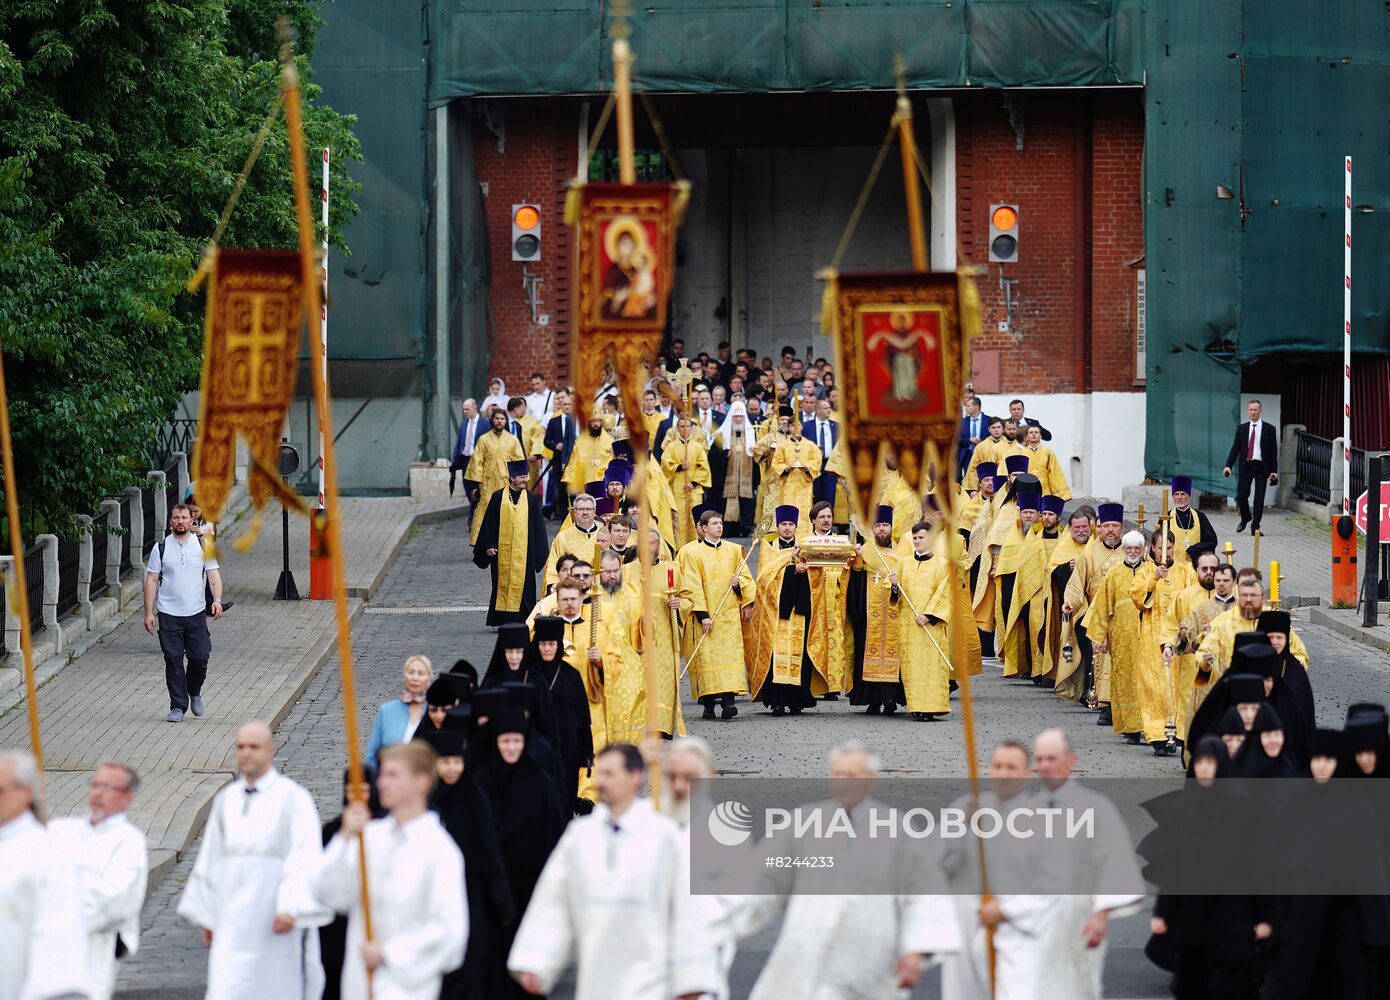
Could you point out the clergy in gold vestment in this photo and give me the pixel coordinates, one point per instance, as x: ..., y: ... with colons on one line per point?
x: 873, y: 604
x: 512, y: 544
x: 1190, y: 526
x: 717, y: 594
x: 795, y: 465
x: 582, y: 648
x: 1071, y: 542
x: 982, y: 600
x: 1214, y: 654
x: 832, y: 578
x: 924, y: 583
x: 1155, y: 592
x: 685, y: 461
x: 906, y: 504
x: 1043, y: 463
x: 786, y: 640
x: 769, y: 484
x: 1102, y: 552
x: 1020, y: 577
x: 1191, y: 615
x: 663, y: 593
x: 579, y: 538
x: 618, y: 608
x: 487, y: 469
x: 1113, y: 626
x: 589, y: 459
x: 992, y: 449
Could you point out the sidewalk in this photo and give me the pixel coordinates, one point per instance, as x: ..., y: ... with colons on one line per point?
x: 110, y: 702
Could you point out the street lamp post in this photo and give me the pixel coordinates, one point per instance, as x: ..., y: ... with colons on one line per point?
x: 285, y: 589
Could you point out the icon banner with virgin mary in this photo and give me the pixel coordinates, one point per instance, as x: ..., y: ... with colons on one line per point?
x: 626, y: 243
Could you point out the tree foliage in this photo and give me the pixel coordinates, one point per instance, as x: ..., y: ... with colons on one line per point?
x: 123, y: 127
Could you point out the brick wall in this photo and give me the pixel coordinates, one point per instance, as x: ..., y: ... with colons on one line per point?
x: 1077, y: 183
x: 539, y: 157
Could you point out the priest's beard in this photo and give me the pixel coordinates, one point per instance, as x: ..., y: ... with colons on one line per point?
x: 1109, y: 544
x: 678, y: 812
x: 612, y: 588
x: 1134, y: 564
x: 594, y: 431
x: 1207, y: 584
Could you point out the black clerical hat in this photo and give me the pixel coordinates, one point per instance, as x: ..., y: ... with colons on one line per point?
x: 441, y: 692
x: 1255, y: 658
x: 550, y: 628
x: 508, y: 720
x: 446, y: 742
x: 1245, y: 688
x: 1326, y: 743
x: 1274, y: 621
x: 513, y: 635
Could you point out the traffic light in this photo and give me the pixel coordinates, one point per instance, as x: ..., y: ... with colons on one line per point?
x: 526, y: 232
x: 1003, y: 234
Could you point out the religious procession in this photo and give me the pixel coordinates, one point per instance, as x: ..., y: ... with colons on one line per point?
x: 763, y: 533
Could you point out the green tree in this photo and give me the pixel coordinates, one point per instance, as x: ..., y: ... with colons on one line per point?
x: 123, y: 127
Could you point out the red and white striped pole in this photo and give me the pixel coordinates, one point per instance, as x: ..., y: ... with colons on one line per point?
x: 1346, y: 347
x: 320, y: 563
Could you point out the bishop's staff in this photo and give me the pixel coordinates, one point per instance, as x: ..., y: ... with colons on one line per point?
x: 1170, y: 727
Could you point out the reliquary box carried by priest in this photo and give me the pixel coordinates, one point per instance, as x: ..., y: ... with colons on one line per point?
x: 827, y: 552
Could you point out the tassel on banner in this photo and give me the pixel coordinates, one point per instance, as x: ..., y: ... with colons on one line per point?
x: 829, y: 309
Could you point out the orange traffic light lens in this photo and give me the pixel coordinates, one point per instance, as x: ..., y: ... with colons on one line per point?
x: 527, y: 217
x: 1004, y: 218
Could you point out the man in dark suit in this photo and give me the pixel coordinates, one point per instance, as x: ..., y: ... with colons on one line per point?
x: 823, y: 433
x: 1016, y: 412
x: 559, y: 439
x: 974, y: 428
x: 471, y: 428
x: 1255, y: 456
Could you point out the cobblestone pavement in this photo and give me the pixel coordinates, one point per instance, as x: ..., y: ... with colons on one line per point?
x: 433, y: 570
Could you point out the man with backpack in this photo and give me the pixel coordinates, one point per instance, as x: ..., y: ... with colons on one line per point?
x: 178, y: 579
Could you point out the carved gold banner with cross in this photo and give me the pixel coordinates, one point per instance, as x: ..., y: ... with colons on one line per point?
x: 250, y: 351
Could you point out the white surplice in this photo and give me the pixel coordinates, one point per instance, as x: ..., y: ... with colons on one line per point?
x: 419, y: 913
x: 41, y: 928
x: 1012, y: 864
x: 841, y: 943
x: 259, y: 849
x: 1097, y: 873
x: 617, y: 902
x: 113, y: 865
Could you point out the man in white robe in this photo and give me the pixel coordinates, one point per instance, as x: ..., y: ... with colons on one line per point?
x: 1014, y: 914
x: 415, y: 878
x: 1076, y: 922
x: 690, y: 761
x: 113, y: 865
x: 614, y: 897
x: 249, y: 891
x: 41, y: 926
x: 841, y: 943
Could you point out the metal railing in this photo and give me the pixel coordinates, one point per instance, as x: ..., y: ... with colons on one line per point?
x: 33, y: 578
x: 1314, y: 461
x: 176, y: 435
x: 69, y: 558
x: 101, y: 541
x: 126, y: 514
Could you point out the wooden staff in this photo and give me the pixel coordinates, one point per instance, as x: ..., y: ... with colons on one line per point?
x: 902, y: 592
x: 299, y: 167
x: 1170, y: 728
x: 20, y: 591
x: 920, y: 262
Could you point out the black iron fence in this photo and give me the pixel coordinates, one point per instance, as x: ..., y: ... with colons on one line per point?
x: 101, y: 542
x: 1314, y: 460
x: 33, y: 580
x: 176, y: 435
x: 69, y: 554
x: 126, y: 514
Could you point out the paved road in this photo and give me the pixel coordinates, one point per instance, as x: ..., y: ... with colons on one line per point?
x: 433, y: 571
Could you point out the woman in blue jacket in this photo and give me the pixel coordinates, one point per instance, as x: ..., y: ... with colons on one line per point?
x: 397, y: 720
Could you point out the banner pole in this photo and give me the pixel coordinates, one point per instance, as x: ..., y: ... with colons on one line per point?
x: 1346, y: 347
x: 311, y: 280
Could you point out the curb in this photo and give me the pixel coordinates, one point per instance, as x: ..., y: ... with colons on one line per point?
x: 1352, y: 630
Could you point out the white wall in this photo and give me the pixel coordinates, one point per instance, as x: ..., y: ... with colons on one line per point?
x: 1098, y: 437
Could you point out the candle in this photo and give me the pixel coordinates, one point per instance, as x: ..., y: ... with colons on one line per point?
x: 671, y: 579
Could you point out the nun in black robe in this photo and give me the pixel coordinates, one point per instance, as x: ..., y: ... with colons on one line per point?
x: 1210, y: 938
x: 466, y: 813
x: 1233, y: 688
x: 1331, y: 945
x: 1265, y: 753
x: 574, y: 736
x: 528, y: 812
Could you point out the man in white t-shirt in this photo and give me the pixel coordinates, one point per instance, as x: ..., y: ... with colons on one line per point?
x: 540, y: 401
x: 174, y: 587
